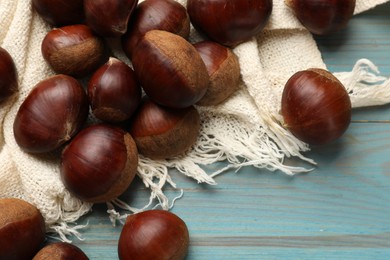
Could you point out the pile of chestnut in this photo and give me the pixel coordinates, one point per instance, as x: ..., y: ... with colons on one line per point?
x: 99, y: 160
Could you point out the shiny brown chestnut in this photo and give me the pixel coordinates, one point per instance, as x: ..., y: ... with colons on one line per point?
x: 60, y: 12
x: 53, y: 112
x: 154, y: 234
x: 316, y: 107
x: 74, y: 50
x: 114, y: 92
x: 229, y: 22
x: 224, y: 71
x: 99, y: 163
x: 22, y: 229
x: 162, y: 132
x: 170, y: 70
x: 323, y: 17
x: 165, y: 15
x: 60, y: 251
x: 109, y: 18
x: 8, y: 75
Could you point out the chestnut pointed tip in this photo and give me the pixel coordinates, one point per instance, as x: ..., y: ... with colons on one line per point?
x: 109, y: 18
x: 119, y: 30
x: 113, y: 60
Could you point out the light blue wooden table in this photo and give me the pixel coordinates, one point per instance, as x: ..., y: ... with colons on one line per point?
x: 341, y: 210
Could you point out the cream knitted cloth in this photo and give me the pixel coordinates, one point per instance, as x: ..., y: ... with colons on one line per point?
x: 244, y: 130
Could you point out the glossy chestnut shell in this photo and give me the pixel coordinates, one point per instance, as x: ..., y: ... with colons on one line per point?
x: 99, y: 163
x: 60, y: 251
x: 165, y: 15
x: 177, y: 77
x: 316, y: 107
x: 229, y: 22
x: 114, y: 92
x: 162, y: 132
x: 109, y: 18
x: 323, y: 17
x: 53, y: 112
x: 8, y: 75
x: 224, y: 71
x: 22, y: 229
x: 153, y: 234
x: 74, y: 50
x: 60, y: 12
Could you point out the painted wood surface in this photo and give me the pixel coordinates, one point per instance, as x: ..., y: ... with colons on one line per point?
x: 341, y: 210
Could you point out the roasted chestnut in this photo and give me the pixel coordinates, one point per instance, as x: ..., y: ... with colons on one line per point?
x: 60, y: 251
x: 53, y: 112
x: 109, y: 18
x: 114, y: 92
x: 177, y: 76
x: 99, y: 163
x: 323, y: 16
x: 74, y: 50
x: 229, y: 22
x: 316, y: 107
x: 165, y: 15
x: 153, y: 234
x: 22, y: 229
x: 60, y: 12
x: 162, y: 132
x: 224, y: 71
x: 8, y: 75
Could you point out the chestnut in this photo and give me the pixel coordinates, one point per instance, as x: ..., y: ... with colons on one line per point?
x: 73, y: 50
x: 162, y: 132
x: 177, y: 76
x: 8, y: 75
x: 109, y: 18
x: 99, y: 164
x: 153, y: 234
x: 316, y: 107
x: 229, y: 22
x: 22, y: 229
x: 323, y: 17
x: 60, y: 251
x: 165, y: 15
x: 53, y: 112
x: 60, y: 12
x: 114, y: 92
x: 224, y: 71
